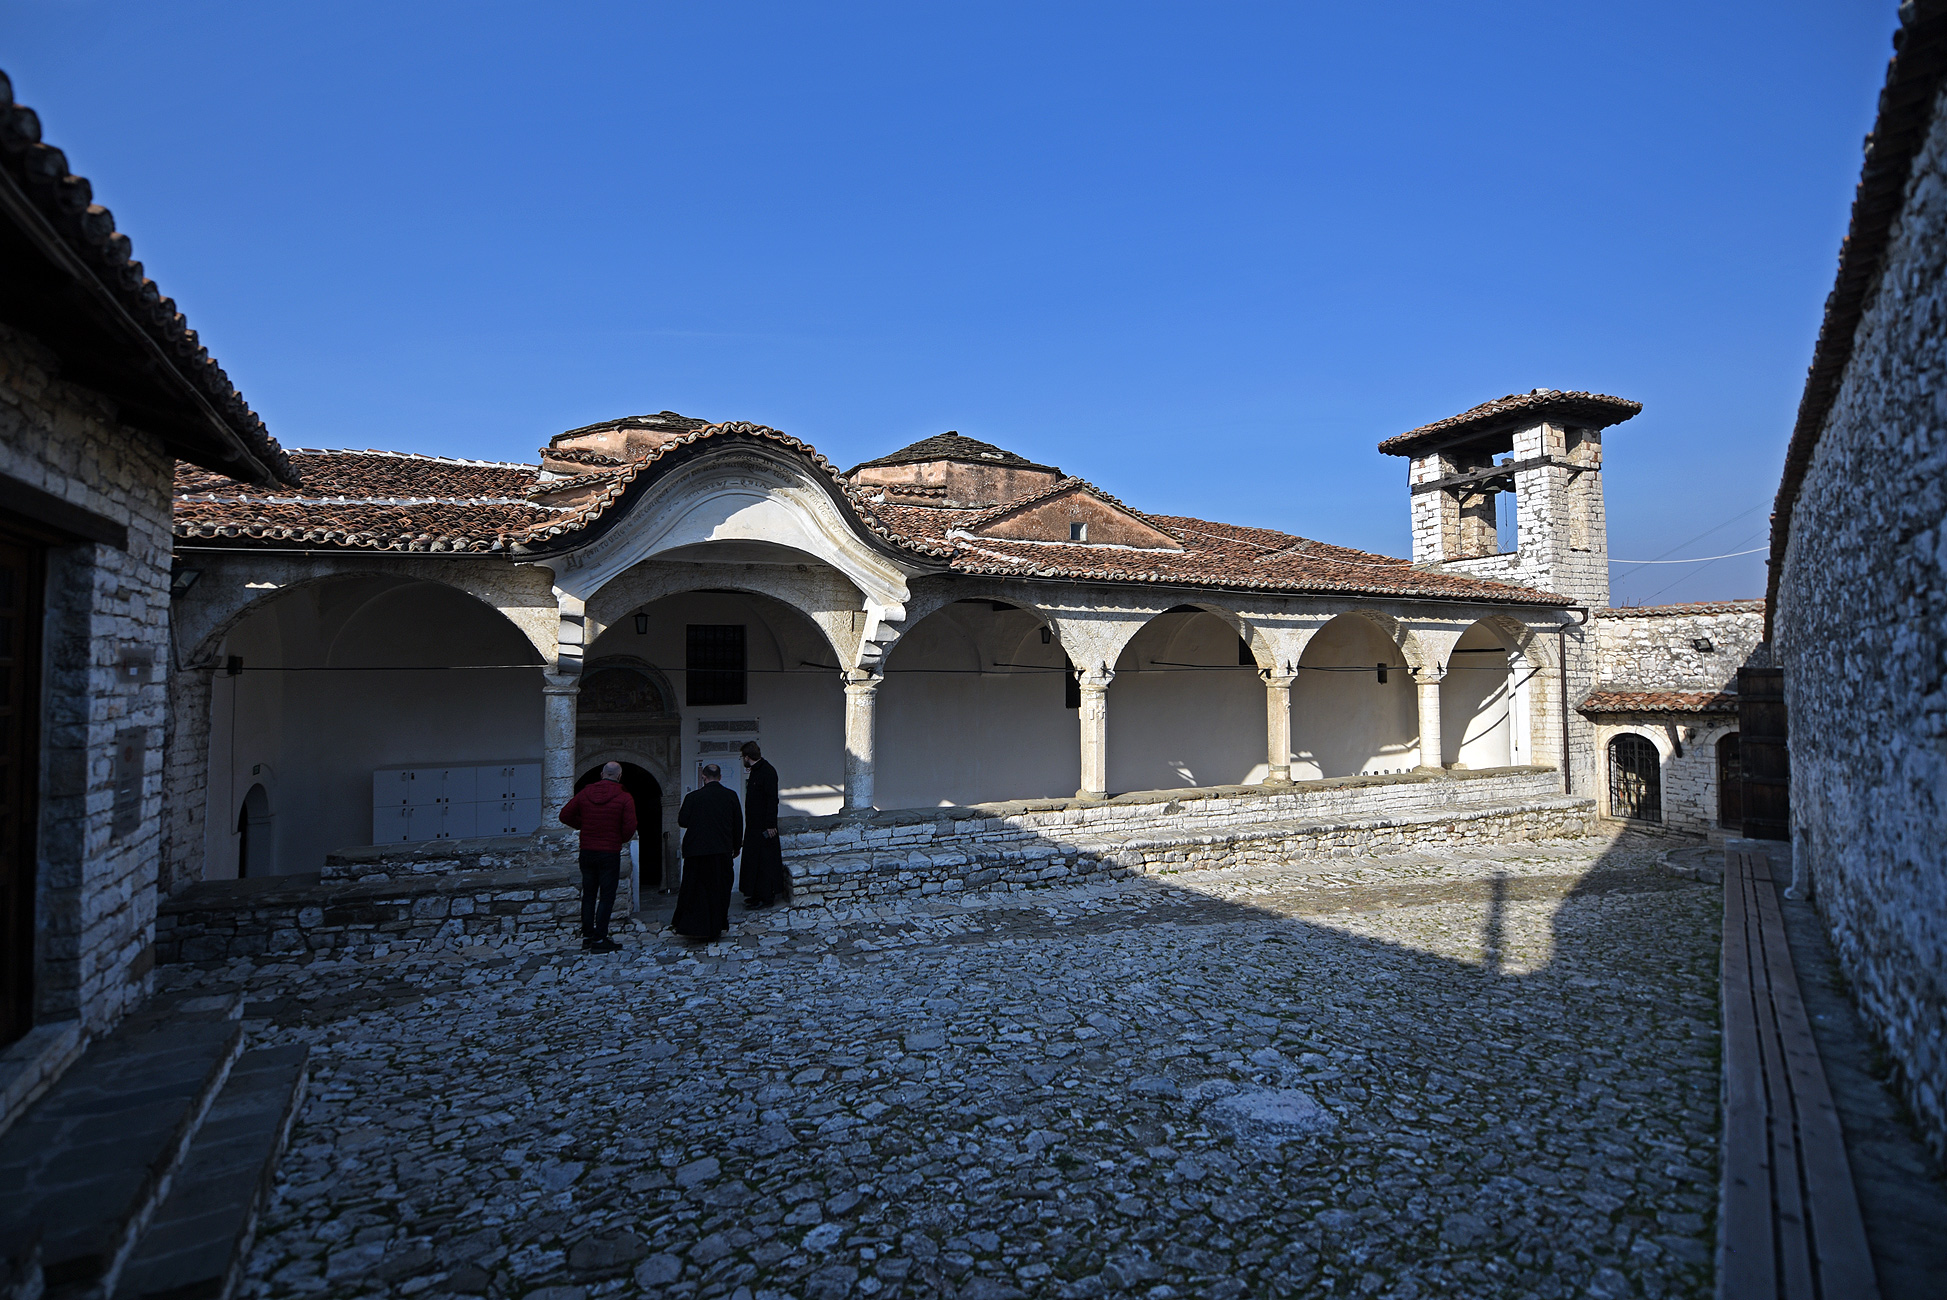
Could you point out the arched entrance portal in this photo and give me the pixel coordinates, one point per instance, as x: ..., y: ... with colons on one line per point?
x: 255, y: 847
x: 647, y: 792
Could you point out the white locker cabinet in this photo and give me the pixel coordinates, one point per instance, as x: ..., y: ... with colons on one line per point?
x: 511, y: 817
x: 510, y: 781
x: 391, y: 824
x: 457, y: 821
x: 392, y: 788
x: 455, y: 784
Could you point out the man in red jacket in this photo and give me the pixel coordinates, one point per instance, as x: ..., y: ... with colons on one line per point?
x: 605, y: 815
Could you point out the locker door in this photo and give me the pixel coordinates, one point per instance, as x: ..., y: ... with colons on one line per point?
x: 458, y: 784
x: 391, y: 824
x: 456, y: 821
x: 391, y: 788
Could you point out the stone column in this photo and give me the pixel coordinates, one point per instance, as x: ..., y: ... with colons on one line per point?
x: 861, y: 695
x: 1428, y: 680
x: 1277, y: 725
x: 1095, y: 732
x: 558, y: 699
x: 185, y: 779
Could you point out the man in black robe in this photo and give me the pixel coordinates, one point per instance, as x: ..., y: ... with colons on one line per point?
x: 713, y: 831
x: 764, y: 878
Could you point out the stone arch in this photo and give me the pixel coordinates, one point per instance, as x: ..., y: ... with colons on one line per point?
x: 1610, y: 762
x: 1185, y: 710
x: 972, y: 707
x: 294, y: 706
x: 1489, y: 690
x: 821, y: 594
x: 245, y: 585
x: 1347, y: 717
x: 654, y: 818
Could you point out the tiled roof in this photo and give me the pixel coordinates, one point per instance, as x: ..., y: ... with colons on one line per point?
x: 1906, y: 115
x: 396, y: 501
x: 1659, y: 702
x: 662, y: 421
x: 1582, y: 410
x: 87, y: 230
x: 1692, y: 607
x: 951, y: 446
x: 376, y: 500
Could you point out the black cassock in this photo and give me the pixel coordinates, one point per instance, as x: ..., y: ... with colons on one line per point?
x: 764, y: 878
x: 712, y: 833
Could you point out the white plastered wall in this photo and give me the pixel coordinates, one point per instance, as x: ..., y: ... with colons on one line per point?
x: 793, y: 691
x: 347, y: 676
x: 1344, y: 722
x: 972, y: 711
x: 1182, y: 711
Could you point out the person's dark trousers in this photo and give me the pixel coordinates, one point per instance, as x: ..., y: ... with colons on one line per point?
x: 601, y: 870
x: 703, y: 903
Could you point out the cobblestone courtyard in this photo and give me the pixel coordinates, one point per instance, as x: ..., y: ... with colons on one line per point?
x: 1489, y: 1073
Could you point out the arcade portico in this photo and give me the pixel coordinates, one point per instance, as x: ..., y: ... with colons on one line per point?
x: 949, y: 625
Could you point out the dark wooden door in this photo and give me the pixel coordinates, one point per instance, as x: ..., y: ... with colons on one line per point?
x: 22, y: 562
x: 1761, y: 725
x: 1730, y: 783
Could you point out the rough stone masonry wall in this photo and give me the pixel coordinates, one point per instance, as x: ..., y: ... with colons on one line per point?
x: 96, y: 892
x: 1653, y: 650
x: 1015, y: 845
x: 1862, y: 635
x: 471, y: 889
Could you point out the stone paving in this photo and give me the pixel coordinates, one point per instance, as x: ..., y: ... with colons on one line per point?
x: 1477, y: 1072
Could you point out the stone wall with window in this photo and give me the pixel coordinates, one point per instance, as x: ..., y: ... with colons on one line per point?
x: 1689, y: 792
x: 104, y: 684
x: 1680, y: 647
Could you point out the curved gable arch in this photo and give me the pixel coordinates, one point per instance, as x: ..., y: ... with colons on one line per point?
x: 740, y: 493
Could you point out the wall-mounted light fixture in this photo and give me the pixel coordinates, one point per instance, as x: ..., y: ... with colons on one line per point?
x: 232, y: 665
x: 1702, y: 645
x: 1047, y: 634
x: 642, y: 625
x: 181, y: 580
x: 1381, y: 669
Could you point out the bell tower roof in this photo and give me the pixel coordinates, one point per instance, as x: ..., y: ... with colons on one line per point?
x: 1505, y: 414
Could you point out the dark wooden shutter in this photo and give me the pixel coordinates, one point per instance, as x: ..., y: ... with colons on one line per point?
x: 22, y: 563
x: 1761, y: 725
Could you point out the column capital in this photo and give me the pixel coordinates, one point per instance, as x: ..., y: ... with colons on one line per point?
x: 1429, y: 676
x: 1096, y: 679
x: 561, y: 684
x: 860, y: 680
x: 1279, y: 679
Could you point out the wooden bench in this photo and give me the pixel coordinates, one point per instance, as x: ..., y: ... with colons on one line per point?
x: 1788, y: 1226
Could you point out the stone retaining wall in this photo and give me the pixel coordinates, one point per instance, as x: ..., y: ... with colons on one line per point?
x: 462, y: 890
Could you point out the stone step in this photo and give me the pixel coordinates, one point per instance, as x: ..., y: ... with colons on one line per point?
x: 82, y: 1171
x: 196, y: 1245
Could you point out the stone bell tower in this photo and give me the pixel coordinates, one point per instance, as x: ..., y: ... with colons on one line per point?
x: 1511, y: 491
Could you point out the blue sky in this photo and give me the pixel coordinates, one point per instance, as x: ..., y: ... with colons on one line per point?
x: 1205, y: 255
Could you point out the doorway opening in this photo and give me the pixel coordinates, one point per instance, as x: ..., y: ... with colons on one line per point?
x: 22, y: 565
x: 647, y: 792
x: 1635, y: 779
x: 1730, y: 783
x: 254, y: 843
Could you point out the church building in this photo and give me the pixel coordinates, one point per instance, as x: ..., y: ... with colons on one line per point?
x: 408, y: 648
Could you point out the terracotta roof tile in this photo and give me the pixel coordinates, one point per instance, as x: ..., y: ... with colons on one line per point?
x: 952, y: 446
x: 397, y: 501
x: 1583, y: 410
x: 1692, y: 607
x: 1659, y: 702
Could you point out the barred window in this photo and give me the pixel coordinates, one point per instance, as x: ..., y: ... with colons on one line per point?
x: 1635, y: 779
x: 714, y: 664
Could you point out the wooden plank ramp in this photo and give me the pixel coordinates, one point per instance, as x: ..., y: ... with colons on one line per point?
x: 1789, y: 1226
